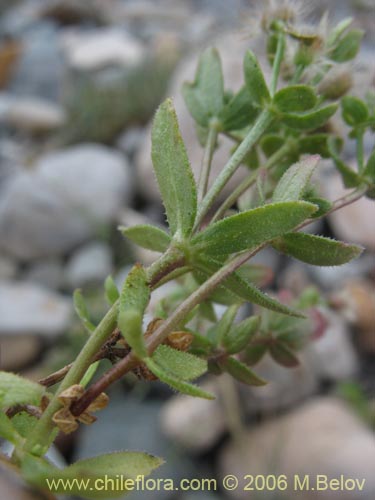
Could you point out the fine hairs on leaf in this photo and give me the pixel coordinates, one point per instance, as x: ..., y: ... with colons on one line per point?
x: 279, y: 127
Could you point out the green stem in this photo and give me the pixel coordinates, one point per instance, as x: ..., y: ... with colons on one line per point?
x: 168, y: 262
x: 262, y: 123
x: 297, y: 74
x: 207, y: 161
x: 277, y: 63
x: 161, y: 333
x: 45, y: 425
x: 249, y: 181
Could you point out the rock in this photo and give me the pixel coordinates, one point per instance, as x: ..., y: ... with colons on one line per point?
x: 332, y: 356
x: 130, y: 140
x: 27, y: 309
x: 95, y: 49
x: 40, y: 68
x: 91, y: 264
x: 196, y: 424
x: 33, y: 115
x: 232, y: 49
x: 8, y: 267
x: 356, y: 301
x: 322, y: 437
x: 355, y: 222
x: 49, y: 273
x: 285, y: 386
x: 67, y: 198
x: 17, y: 352
x: 130, y: 424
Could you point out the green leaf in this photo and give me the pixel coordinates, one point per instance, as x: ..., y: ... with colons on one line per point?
x: 125, y: 464
x: 205, y: 97
x: 295, y: 98
x: 241, y: 372
x: 221, y: 328
x: 111, y: 290
x: 134, y: 299
x: 347, y: 47
x: 90, y: 372
x: 244, y: 289
x: 81, y: 310
x: 239, y: 112
x: 254, y: 353
x: 317, y: 250
x: 338, y: 30
x: 16, y: 390
x: 309, y: 120
x: 7, y: 430
x: 147, y: 236
x: 177, y: 383
x: 181, y: 364
x: 354, y: 110
x: 238, y: 337
x: 295, y: 180
x: 369, y: 170
x: 283, y: 355
x: 271, y: 143
x: 24, y: 423
x: 251, y: 228
x: 349, y: 177
x: 323, y: 204
x: 255, y: 82
x: 316, y: 144
x: 173, y: 173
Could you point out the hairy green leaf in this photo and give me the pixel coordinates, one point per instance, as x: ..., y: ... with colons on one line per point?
x: 217, y: 332
x: 81, y: 310
x: 173, y: 172
x: 251, y: 228
x: 241, y: 372
x: 347, y: 47
x: 237, y: 338
x: 244, y: 289
x: 7, y: 429
x: 295, y: 98
x: 111, y: 290
x: 317, y: 250
x: 177, y: 383
x: 147, y: 236
x: 205, y: 97
x: 16, y: 390
x: 283, y: 355
x: 239, y: 112
x: 354, y: 110
x: 315, y: 144
x: 255, y: 82
x: 295, y: 180
x: 125, y: 464
x: 338, y: 31
x: 181, y: 364
x: 309, y: 120
x: 254, y: 353
x: 134, y: 298
x: 349, y: 177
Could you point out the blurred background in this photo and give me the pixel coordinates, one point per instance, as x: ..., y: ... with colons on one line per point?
x: 79, y: 83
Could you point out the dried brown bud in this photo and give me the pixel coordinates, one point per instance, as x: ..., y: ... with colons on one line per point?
x: 336, y: 83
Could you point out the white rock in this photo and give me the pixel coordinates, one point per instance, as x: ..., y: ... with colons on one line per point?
x: 232, y: 48
x: 34, y: 115
x: 49, y: 273
x: 101, y: 47
x: 90, y: 264
x: 31, y: 309
x: 67, y: 198
x: 355, y: 222
x: 322, y: 437
x: 332, y: 356
x: 196, y: 424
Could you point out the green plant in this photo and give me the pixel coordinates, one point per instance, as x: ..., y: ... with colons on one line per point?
x: 279, y: 136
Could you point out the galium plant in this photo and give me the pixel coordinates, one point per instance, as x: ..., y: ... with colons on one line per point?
x: 280, y: 131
